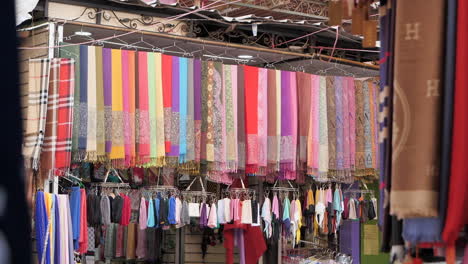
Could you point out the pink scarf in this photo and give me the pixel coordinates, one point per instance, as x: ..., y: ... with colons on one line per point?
x: 313, y: 132
x: 262, y: 120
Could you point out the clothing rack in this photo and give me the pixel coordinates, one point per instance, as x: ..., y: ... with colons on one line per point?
x: 111, y: 185
x: 283, y: 189
x: 203, y: 194
x: 240, y: 191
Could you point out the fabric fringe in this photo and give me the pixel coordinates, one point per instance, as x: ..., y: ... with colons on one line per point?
x: 91, y: 156
x: 412, y: 212
x: 79, y: 155
x: 118, y: 163
x: 191, y: 167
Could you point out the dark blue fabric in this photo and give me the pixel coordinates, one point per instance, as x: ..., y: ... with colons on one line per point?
x: 83, y: 96
x: 41, y: 221
x: 56, y: 230
x: 75, y: 206
x: 171, y: 214
x: 157, y: 203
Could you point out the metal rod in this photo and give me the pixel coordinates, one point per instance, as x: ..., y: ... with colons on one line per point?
x: 231, y: 45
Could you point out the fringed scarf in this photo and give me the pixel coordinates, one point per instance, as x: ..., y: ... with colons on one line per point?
x: 368, y: 137
x: 172, y: 158
x: 339, y: 128
x: 331, y: 114
x: 183, y: 89
x: 288, y: 125
x: 304, y: 91
x: 359, y: 124
x: 142, y: 115
x: 262, y: 121
x: 346, y: 175
x: 50, y: 132
x: 197, y: 103
x: 117, y: 155
x: 323, y: 130
x: 155, y: 105
x: 274, y: 122
x: 251, y: 118
x: 66, y: 91
x: 107, y: 81
x: 83, y: 130
x: 207, y: 148
x: 100, y: 125
x: 313, y: 131
x: 38, y: 93
x: 241, y: 118
x: 167, y: 98
x: 74, y: 52
x: 230, y: 86
x: 373, y: 167
x: 91, y: 141
x: 128, y: 89
x: 350, y: 91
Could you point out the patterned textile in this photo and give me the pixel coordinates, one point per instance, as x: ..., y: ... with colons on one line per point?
x: 91, y: 140
x: 323, y: 131
x: 142, y: 115
x: 313, y: 130
x: 262, y: 121
x: 274, y: 121
x: 107, y: 82
x: 359, y: 125
x: 183, y: 105
x: 128, y: 77
x: 288, y: 143
x: 100, y: 113
x: 83, y: 129
x: 241, y: 118
x: 117, y: 155
x: 167, y: 98
x: 304, y: 91
x: 172, y: 158
x: 230, y: 82
x: 38, y: 93
x: 197, y: 97
x: 332, y: 139
x: 251, y: 118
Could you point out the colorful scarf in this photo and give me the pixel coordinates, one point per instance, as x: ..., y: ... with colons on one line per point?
x: 241, y: 118
x: 359, y: 124
x: 374, y: 129
x: 251, y: 118
x: 207, y: 147
x: 183, y: 90
x: 167, y: 98
x: 83, y: 130
x: 339, y: 128
x: 190, y: 165
x: 100, y: 116
x: 142, y: 115
x: 230, y: 82
x: 91, y: 140
x: 173, y: 155
x: 368, y: 137
x: 288, y: 125
x: 74, y: 53
x: 66, y: 91
x: 197, y: 104
x: 331, y: 113
x: 107, y: 81
x: 50, y: 132
x: 128, y: 89
x: 117, y: 154
x: 262, y: 121
x: 351, y: 113
x: 417, y: 106
x: 274, y: 121
x: 323, y: 131
x: 304, y: 90
x: 313, y: 131
x: 38, y: 93
x: 156, y: 115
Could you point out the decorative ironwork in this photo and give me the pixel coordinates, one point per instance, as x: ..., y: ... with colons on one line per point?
x: 90, y: 12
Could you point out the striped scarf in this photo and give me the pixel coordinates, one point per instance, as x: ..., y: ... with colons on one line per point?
x: 38, y: 93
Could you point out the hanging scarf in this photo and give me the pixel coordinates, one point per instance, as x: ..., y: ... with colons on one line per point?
x: 313, y: 131
x: 351, y: 132
x: 372, y: 167
x: 197, y: 103
x: 288, y: 143
x: 173, y: 155
x: 359, y: 125
x: 65, y: 113
x: 262, y: 121
x: 331, y: 113
x: 107, y: 81
x: 74, y: 53
x: 155, y: 105
x: 91, y: 141
x: 274, y: 121
x: 368, y: 137
x: 117, y: 154
x: 142, y: 115
x: 323, y: 130
x: 339, y: 125
x: 50, y: 135
x: 38, y: 93
x: 304, y: 90
x: 417, y: 105
x: 167, y: 98
x: 128, y: 88
x: 183, y: 77
x: 251, y: 118
x: 83, y: 131
x: 207, y: 148
x: 100, y: 127
x: 241, y: 118
x: 230, y: 84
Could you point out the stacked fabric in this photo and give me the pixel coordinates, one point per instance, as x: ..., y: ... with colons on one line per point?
x: 145, y: 109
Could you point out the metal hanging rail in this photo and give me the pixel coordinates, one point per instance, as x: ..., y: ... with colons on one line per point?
x: 231, y: 45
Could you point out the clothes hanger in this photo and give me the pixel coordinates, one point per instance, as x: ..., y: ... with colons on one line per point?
x: 184, y: 52
x: 142, y: 41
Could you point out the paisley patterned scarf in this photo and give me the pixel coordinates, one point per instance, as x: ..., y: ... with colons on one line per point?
x: 230, y: 84
x: 323, y: 131
x: 359, y: 124
x: 332, y: 139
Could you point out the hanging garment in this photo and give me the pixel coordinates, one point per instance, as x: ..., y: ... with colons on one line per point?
x: 251, y: 118
x: 157, y: 210
x: 274, y: 119
x: 83, y: 130
x: 143, y: 216
x: 117, y: 155
x: 414, y: 190
x: 304, y: 91
x: 131, y: 241
x: 319, y: 208
x: 183, y: 89
x: 142, y: 123
x: 185, y: 217
x: 213, y: 217
x: 352, y: 209
x: 251, y: 246
x: 107, y: 97
x: 313, y: 129
x: 204, y: 211
x: 262, y: 127
x: 220, y: 213
x: 337, y: 207
x: 128, y: 89
x: 227, y: 210
x: 246, y: 217
x: 286, y: 215
x: 100, y: 113
x: 171, y: 217
x: 75, y: 209
x: 151, y: 221
x: 457, y: 205
x: 42, y: 228
x: 83, y: 240
x: 266, y: 215
x: 332, y: 137
x: 116, y: 209
x: 255, y: 213
x: 167, y: 99
x: 141, y: 244
x: 230, y: 83
x: 173, y: 156
x: 197, y: 97
x: 190, y: 165
x: 359, y: 125
x: 194, y: 209
x: 91, y: 140
x: 288, y: 125
x: 178, y: 212
x: 105, y: 210
x: 323, y: 131
x: 241, y: 118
